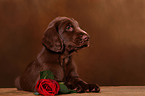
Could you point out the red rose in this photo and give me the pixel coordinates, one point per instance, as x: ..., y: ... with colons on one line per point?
x: 47, y: 87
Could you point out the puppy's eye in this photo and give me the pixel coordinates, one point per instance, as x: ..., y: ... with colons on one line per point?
x: 69, y: 28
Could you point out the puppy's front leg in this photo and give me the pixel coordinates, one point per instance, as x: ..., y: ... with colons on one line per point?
x: 75, y: 83
x: 79, y: 85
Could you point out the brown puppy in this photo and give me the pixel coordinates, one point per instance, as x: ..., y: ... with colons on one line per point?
x: 62, y: 37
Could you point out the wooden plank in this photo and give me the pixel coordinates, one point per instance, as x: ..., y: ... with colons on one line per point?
x: 105, y: 91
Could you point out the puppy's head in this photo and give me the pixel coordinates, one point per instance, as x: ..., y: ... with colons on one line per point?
x: 64, y: 34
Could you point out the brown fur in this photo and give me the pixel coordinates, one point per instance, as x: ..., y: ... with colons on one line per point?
x: 62, y: 37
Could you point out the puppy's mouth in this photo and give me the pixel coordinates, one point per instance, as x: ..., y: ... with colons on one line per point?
x: 76, y: 48
x: 80, y: 47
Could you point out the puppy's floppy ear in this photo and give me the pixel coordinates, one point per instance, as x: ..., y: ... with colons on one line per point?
x: 52, y: 40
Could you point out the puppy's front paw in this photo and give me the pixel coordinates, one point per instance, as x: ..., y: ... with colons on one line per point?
x: 81, y: 86
x: 91, y: 88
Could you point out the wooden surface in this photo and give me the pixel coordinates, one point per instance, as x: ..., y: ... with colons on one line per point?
x: 105, y: 91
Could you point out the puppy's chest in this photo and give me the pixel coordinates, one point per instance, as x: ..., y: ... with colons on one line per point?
x: 64, y: 61
x: 62, y: 71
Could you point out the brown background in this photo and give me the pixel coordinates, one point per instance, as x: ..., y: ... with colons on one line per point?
x: 116, y: 55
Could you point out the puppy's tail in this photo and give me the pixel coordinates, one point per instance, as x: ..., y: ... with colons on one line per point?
x: 17, y: 83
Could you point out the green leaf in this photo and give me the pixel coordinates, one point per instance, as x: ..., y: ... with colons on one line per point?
x: 63, y: 88
x: 46, y: 75
x: 36, y: 93
x: 73, y: 91
x: 60, y: 82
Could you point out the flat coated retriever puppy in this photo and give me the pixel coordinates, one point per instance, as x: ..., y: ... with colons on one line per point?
x: 62, y: 37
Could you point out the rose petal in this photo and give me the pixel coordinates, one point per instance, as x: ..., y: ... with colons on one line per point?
x: 47, y: 87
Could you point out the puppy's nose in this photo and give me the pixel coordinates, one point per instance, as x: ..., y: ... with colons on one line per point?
x: 85, y: 38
